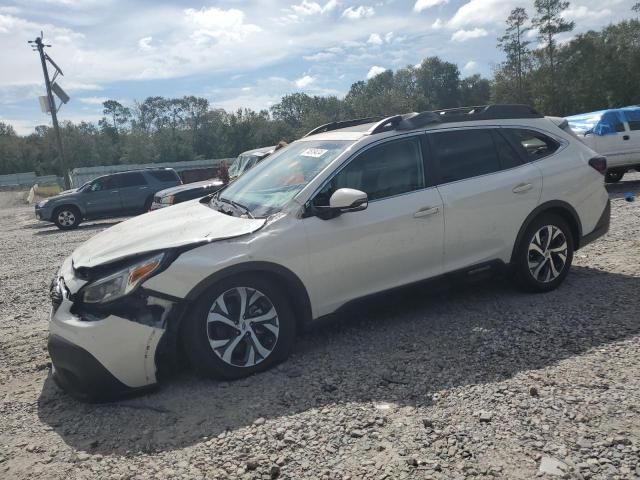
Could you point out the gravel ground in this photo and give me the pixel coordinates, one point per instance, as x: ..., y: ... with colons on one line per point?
x: 473, y: 380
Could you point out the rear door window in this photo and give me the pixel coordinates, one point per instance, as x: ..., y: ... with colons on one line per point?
x: 462, y: 154
x: 535, y: 145
x: 508, y: 156
x: 133, y: 179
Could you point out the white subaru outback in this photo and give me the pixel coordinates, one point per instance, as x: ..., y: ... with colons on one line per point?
x: 352, y: 209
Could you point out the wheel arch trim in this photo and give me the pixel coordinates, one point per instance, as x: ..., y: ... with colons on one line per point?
x: 560, y: 206
x: 67, y: 205
x: 297, y: 293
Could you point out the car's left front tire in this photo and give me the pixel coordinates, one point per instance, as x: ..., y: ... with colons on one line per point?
x: 242, y: 325
x: 67, y: 217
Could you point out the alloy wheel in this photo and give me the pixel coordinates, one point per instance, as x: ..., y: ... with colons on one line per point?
x: 66, y: 218
x: 242, y: 327
x: 547, y: 254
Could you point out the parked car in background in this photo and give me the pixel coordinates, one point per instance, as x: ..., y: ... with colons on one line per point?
x: 352, y: 209
x: 614, y: 133
x: 190, y: 191
x: 121, y: 193
x: 247, y: 160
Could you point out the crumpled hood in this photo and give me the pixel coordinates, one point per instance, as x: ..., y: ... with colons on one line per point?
x: 183, y: 224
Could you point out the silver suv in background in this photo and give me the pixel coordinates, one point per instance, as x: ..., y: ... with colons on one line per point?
x: 112, y: 195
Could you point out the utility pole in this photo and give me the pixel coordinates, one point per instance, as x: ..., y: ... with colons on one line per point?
x: 52, y: 107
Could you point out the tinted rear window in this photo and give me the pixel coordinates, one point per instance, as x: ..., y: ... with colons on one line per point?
x: 164, y: 175
x: 130, y: 179
x: 464, y: 154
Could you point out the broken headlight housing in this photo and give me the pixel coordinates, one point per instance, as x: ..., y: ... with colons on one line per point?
x: 122, y: 282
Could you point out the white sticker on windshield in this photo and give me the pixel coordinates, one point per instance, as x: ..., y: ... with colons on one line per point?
x: 314, y: 152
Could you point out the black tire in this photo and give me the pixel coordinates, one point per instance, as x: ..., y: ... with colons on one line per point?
x: 198, y: 332
x: 545, y: 266
x: 614, y: 176
x: 67, y: 217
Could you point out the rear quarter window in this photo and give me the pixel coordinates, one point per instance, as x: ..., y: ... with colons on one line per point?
x: 535, y: 145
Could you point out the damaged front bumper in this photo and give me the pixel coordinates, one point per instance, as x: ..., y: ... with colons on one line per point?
x: 103, y: 353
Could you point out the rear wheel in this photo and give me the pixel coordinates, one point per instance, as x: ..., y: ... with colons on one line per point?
x: 614, y: 176
x: 241, y: 326
x: 545, y: 254
x: 67, y: 217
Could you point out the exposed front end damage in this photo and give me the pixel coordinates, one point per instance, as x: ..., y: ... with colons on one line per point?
x: 102, y: 352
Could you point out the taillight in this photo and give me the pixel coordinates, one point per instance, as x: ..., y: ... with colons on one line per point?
x: 599, y: 163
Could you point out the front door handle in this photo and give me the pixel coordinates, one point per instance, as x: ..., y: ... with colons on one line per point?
x: 522, y: 188
x: 426, y: 212
x: 626, y: 137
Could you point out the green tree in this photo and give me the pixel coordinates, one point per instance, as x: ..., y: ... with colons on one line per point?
x: 550, y: 24
x: 516, y: 48
x: 118, y: 114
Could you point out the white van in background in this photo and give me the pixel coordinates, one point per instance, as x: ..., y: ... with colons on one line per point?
x: 614, y: 133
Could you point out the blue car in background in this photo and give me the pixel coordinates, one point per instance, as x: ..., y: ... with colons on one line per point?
x: 614, y: 133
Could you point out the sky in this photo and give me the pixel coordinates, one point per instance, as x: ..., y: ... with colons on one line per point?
x: 240, y: 53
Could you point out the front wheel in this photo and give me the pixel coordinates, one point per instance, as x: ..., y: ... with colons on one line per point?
x: 241, y: 326
x: 545, y: 254
x: 67, y: 218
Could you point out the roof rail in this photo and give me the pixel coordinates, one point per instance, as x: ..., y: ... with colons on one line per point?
x: 411, y: 121
x: 385, y: 124
x: 487, y: 112
x: 327, y: 127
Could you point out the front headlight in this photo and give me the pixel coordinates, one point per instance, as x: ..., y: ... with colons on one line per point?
x: 168, y: 200
x: 122, y: 282
x: 42, y: 203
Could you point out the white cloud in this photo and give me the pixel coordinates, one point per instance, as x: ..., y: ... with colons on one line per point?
x: 581, y: 13
x: 217, y: 24
x: 375, y: 70
x: 426, y: 4
x: 313, y: 8
x: 388, y: 37
x: 319, y: 57
x: 464, y: 35
x: 304, y: 81
x: 438, y: 24
x: 375, y: 39
x: 93, y: 100
x: 145, y: 43
x: 481, y: 12
x: 470, y: 67
x: 352, y: 13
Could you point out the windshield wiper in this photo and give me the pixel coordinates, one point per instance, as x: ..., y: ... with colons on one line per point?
x: 239, y: 206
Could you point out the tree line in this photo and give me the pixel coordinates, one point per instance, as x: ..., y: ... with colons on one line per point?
x: 595, y: 70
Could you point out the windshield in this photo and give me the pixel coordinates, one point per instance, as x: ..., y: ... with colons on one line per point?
x: 265, y: 189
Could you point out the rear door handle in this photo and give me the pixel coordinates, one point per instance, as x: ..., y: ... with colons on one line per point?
x: 523, y: 187
x: 626, y: 137
x: 426, y: 212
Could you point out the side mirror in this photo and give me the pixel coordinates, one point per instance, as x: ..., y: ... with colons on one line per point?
x: 348, y: 200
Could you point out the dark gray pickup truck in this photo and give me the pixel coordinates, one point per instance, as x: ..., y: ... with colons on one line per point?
x: 122, y: 193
